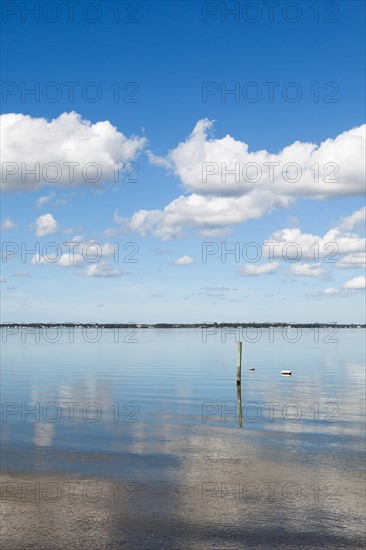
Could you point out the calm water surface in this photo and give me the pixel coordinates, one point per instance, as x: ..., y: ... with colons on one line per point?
x: 139, y: 443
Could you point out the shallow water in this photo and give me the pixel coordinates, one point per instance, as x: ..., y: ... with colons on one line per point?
x: 136, y: 440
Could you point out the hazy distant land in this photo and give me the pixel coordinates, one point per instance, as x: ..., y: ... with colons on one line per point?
x: 183, y: 325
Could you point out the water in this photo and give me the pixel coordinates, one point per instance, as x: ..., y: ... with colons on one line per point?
x: 138, y: 443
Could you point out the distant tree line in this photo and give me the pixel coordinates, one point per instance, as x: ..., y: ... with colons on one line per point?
x: 182, y: 325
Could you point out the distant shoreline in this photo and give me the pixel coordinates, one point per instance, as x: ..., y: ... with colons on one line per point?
x: 181, y: 325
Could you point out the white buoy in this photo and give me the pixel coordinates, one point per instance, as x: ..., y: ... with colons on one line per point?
x: 252, y: 368
x: 286, y: 372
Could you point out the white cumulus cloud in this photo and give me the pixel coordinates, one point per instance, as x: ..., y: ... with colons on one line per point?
x: 226, y: 167
x: 210, y: 215
x: 334, y: 243
x: 306, y: 270
x: 357, y: 283
x: 228, y: 184
x: 255, y: 270
x: 184, y: 260
x: 68, y: 149
x: 45, y: 225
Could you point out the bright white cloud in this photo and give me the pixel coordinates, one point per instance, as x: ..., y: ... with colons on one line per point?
x: 255, y: 269
x: 357, y: 283
x: 57, y: 143
x: 7, y: 224
x: 203, y: 164
x: 210, y: 215
x: 79, y: 265
x: 45, y: 225
x: 184, y: 260
x: 328, y: 247
x: 79, y: 253
x: 306, y: 270
x: 258, y: 182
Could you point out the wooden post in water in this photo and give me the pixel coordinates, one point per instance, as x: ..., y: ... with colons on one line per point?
x: 238, y: 370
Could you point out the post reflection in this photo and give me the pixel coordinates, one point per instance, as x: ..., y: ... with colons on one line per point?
x: 240, y: 410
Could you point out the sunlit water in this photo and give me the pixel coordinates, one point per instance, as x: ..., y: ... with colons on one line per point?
x: 136, y: 440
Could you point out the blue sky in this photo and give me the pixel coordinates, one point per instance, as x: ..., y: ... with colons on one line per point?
x: 170, y: 63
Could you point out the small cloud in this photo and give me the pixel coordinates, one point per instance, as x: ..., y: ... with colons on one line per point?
x: 73, y: 230
x: 2, y: 280
x: 306, y: 270
x: 217, y: 292
x: 11, y: 288
x: 77, y: 239
x: 117, y: 218
x: 102, y: 270
x: 110, y: 232
x: 184, y: 260
x: 7, y: 224
x: 158, y: 295
x: 21, y: 274
x: 218, y: 289
x: 357, y: 283
x: 70, y: 260
x: 255, y: 270
x: 45, y: 225
x: 65, y: 260
x: 100, y: 305
x: 330, y: 291
x: 44, y: 199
